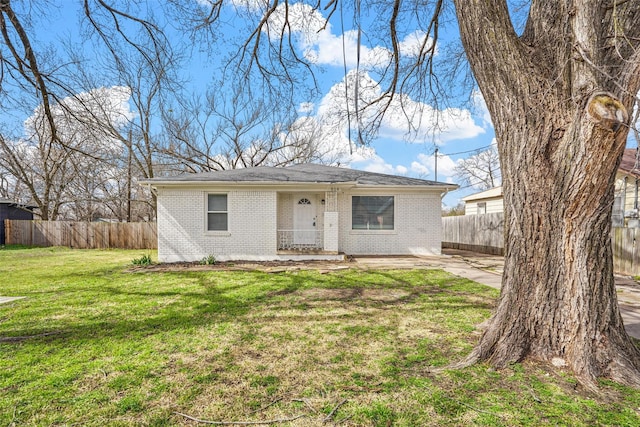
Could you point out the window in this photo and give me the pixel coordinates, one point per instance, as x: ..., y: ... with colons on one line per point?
x: 217, y: 212
x: 482, y: 208
x: 372, y: 213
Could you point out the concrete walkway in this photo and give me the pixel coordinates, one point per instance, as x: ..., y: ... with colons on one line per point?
x: 4, y: 300
x: 487, y: 269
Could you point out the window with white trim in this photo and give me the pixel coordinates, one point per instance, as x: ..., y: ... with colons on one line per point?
x: 482, y: 208
x: 372, y: 212
x: 217, y: 212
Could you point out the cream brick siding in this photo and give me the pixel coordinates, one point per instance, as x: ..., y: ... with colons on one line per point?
x: 182, y: 228
x: 331, y: 231
x: 255, y: 216
x: 285, y: 211
x: 417, y: 229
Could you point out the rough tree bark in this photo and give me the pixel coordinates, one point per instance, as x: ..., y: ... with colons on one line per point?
x: 558, y: 95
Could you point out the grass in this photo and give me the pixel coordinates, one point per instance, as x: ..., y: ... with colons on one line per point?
x: 98, y: 342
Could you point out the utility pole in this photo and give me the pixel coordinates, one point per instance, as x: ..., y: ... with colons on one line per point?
x: 435, y: 159
x: 129, y: 178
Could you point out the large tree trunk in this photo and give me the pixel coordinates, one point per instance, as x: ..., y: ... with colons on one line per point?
x: 561, y: 123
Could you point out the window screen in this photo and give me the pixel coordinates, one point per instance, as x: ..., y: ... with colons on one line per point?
x: 217, y: 212
x: 372, y: 213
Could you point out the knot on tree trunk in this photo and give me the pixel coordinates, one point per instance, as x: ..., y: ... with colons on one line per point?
x: 606, y: 111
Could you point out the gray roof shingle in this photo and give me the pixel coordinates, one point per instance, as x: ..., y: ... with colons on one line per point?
x: 300, y: 173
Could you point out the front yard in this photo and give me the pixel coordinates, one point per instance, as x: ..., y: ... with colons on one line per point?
x: 97, y: 342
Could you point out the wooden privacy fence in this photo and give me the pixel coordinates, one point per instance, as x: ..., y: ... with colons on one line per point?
x: 626, y: 254
x: 82, y: 235
x: 484, y: 233
x: 480, y: 233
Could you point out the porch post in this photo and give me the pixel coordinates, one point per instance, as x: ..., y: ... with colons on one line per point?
x: 331, y: 231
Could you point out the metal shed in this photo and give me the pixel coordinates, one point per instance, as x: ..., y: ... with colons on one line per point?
x: 12, y: 210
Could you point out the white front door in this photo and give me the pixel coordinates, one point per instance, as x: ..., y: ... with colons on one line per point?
x: 304, y: 221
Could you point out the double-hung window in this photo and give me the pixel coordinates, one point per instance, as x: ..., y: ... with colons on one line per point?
x: 372, y: 212
x: 217, y: 215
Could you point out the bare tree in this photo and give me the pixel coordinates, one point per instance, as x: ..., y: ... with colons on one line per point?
x: 224, y: 132
x: 66, y: 170
x: 481, y: 170
x: 36, y: 74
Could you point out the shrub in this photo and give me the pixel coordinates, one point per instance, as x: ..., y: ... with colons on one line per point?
x: 143, y: 260
x: 208, y: 260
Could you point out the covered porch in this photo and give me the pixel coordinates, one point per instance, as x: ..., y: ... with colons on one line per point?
x: 307, y: 223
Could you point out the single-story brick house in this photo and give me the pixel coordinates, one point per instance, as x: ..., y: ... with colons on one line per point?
x: 305, y: 211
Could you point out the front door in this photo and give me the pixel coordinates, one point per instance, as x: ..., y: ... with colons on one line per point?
x: 304, y: 221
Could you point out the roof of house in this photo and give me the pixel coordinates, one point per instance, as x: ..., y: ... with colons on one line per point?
x: 495, y: 192
x: 297, y: 174
x: 9, y: 202
x: 4, y: 201
x: 629, y: 164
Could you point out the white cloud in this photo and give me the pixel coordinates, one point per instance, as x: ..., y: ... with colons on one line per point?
x: 328, y: 129
x: 85, y: 118
x: 419, y: 168
x: 306, y: 107
x: 429, y: 124
x: 374, y: 163
x: 413, y: 43
x: 321, y: 46
x: 481, y: 108
x: 240, y: 4
x: 425, y: 165
x: 404, y: 120
x: 325, y: 48
x: 300, y: 19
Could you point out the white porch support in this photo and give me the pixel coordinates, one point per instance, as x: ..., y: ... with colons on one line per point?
x: 331, y: 230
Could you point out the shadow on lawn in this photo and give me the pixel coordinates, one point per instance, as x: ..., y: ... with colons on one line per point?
x: 133, y: 311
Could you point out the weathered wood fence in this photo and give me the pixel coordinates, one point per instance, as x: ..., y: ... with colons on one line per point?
x: 479, y: 233
x: 484, y: 233
x: 82, y: 235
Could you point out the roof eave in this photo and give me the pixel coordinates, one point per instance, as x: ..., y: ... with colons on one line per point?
x: 168, y: 183
x: 240, y: 183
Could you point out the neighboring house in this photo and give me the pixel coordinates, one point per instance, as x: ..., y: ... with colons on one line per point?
x: 625, y: 208
x: 488, y: 201
x: 304, y: 211
x: 12, y: 210
x: 626, y: 204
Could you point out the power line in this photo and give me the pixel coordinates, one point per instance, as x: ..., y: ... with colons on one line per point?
x: 435, y: 156
x: 465, y: 152
x: 472, y: 185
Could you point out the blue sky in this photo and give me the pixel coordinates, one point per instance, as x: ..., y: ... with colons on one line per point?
x: 460, y: 130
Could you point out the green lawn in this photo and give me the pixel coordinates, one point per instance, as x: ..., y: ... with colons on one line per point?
x: 98, y: 342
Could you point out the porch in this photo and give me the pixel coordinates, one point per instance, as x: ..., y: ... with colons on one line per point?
x: 307, y: 223
x: 300, y: 240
